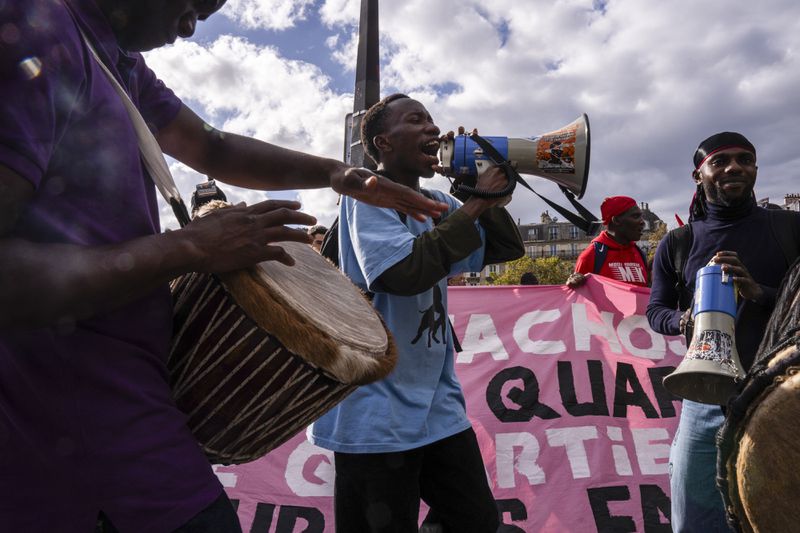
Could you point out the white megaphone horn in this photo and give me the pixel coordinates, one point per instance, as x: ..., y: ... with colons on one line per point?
x: 711, y: 370
x: 560, y: 156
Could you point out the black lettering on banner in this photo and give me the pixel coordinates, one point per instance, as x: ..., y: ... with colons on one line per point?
x: 598, y: 500
x: 566, y: 386
x: 636, y: 396
x: 263, y: 517
x: 287, y: 518
x: 517, y: 512
x: 527, y: 398
x: 664, y: 397
x: 655, y: 504
x: 289, y: 514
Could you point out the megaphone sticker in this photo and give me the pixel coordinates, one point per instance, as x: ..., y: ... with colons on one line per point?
x: 555, y: 151
x: 711, y: 345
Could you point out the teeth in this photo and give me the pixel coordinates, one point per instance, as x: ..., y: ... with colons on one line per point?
x: 430, y: 148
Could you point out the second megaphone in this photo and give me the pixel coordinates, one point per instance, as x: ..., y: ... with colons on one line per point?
x: 561, y: 156
x: 711, y: 370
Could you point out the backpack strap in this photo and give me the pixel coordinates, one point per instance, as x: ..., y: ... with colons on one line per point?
x: 600, y: 253
x: 679, y: 243
x: 784, y: 227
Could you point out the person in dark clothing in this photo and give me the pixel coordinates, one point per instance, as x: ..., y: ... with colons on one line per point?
x: 407, y: 437
x: 728, y: 228
x: 528, y: 278
x: 87, y: 418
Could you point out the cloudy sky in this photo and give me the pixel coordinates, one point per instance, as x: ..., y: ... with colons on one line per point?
x: 655, y: 78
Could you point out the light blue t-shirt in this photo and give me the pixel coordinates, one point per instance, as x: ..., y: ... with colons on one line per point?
x: 421, y: 401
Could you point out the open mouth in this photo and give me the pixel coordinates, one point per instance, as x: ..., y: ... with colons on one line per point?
x: 431, y: 148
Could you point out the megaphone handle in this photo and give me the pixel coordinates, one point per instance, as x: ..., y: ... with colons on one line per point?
x: 483, y: 193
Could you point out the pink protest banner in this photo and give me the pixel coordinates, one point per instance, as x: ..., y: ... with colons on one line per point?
x: 564, y: 392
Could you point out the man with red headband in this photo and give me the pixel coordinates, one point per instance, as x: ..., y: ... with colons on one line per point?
x: 756, y: 247
x: 614, y: 253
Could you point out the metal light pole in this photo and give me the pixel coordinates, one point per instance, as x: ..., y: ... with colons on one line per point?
x: 368, y: 84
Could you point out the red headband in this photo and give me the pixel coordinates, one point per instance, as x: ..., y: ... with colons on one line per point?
x: 700, y: 164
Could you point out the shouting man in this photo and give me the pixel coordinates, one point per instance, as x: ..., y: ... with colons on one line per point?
x: 407, y: 437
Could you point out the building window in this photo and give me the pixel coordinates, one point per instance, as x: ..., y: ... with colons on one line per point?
x: 532, y: 234
x: 573, y: 232
x: 573, y: 248
x: 553, y: 232
x: 553, y: 250
x: 492, y: 269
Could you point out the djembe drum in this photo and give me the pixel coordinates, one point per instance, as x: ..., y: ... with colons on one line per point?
x: 759, y: 444
x: 259, y: 354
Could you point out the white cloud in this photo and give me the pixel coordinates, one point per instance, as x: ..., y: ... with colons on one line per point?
x: 243, y: 88
x: 654, y: 77
x: 344, y: 50
x: 267, y: 14
x: 340, y: 12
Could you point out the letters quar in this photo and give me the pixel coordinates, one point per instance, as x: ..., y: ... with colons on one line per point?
x: 628, y: 392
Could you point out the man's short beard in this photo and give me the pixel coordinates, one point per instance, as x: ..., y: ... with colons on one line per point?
x: 722, y: 199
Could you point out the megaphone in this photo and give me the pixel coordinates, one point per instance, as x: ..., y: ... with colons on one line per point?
x: 561, y: 156
x: 711, y: 368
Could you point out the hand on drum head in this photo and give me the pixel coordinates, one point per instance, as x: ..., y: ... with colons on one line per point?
x: 367, y: 187
x: 731, y: 264
x: 240, y: 236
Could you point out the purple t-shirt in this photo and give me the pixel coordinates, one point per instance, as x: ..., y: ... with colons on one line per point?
x: 87, y: 421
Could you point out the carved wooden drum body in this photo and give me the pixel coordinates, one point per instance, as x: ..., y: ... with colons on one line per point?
x: 259, y: 354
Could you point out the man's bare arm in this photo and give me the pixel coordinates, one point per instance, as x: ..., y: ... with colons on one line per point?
x: 41, y: 283
x: 250, y: 163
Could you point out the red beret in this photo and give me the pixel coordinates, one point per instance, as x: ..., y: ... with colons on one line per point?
x: 615, y: 205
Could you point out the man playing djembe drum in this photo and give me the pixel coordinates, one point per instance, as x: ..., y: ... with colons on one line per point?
x: 87, y: 421
x: 750, y: 243
x: 407, y: 437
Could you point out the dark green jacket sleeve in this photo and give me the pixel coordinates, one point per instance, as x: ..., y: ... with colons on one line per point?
x: 503, y: 241
x: 435, y: 251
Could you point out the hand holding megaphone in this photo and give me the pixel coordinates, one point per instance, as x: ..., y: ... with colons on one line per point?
x: 746, y: 286
x: 489, y: 181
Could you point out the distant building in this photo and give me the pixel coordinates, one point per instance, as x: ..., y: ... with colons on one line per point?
x: 790, y: 202
x: 553, y: 238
